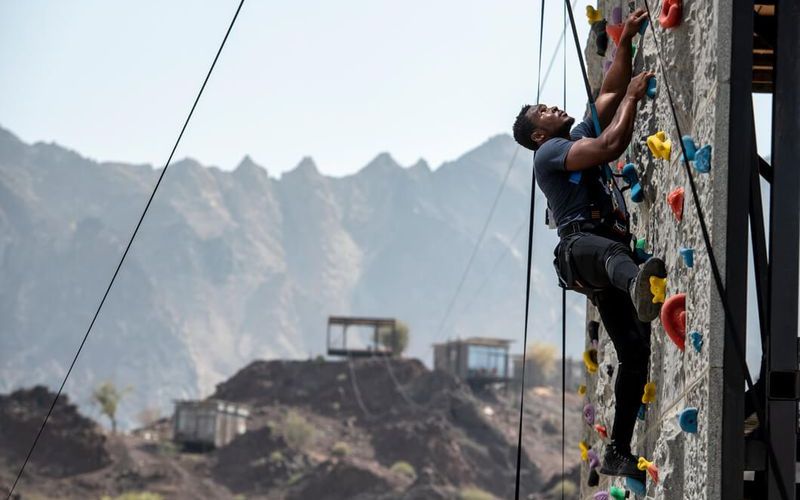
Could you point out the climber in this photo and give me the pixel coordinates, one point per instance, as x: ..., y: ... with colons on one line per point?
x: 594, y: 254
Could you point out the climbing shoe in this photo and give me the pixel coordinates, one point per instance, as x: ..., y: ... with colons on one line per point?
x: 640, y: 289
x: 617, y: 463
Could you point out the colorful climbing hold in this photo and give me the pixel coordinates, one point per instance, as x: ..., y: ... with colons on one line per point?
x: 652, y: 85
x: 616, y: 15
x: 675, y: 201
x: 642, y: 412
x: 650, y: 467
x: 673, y: 319
x: 659, y: 145
x: 687, y: 419
x: 643, y: 26
x: 697, y: 340
x: 641, y: 254
x: 616, y: 493
x: 631, y: 178
x: 600, y: 495
x: 636, y: 486
x: 590, y: 360
x: 581, y: 390
x: 594, y: 478
x: 594, y: 460
x: 588, y: 414
x: 670, y: 14
x: 601, y: 429
x: 600, y: 37
x: 658, y: 287
x: 689, y: 146
x: 688, y: 256
x: 593, y: 15
x: 702, y: 159
x: 584, y: 450
x: 649, y: 394
x: 614, y: 32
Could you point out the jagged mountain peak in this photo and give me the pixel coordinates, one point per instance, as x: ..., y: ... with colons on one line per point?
x: 381, y: 164
x: 306, y: 168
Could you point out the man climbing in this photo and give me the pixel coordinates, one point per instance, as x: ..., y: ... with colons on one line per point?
x: 594, y: 253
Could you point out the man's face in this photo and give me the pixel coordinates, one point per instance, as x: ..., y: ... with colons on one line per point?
x: 551, y: 122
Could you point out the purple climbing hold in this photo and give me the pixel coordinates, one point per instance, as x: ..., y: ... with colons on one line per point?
x: 588, y: 414
x: 616, y: 15
x: 601, y: 495
x: 594, y: 459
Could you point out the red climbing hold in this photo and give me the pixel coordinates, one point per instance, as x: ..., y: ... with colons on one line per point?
x: 601, y: 429
x: 670, y: 14
x: 675, y: 200
x: 673, y: 319
x: 615, y: 32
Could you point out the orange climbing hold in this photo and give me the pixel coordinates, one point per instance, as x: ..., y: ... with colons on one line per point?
x: 670, y: 14
x: 615, y: 32
x: 675, y: 201
x: 660, y: 145
x: 601, y: 429
x: 648, y: 466
x: 673, y: 319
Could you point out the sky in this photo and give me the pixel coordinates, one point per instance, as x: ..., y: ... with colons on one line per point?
x: 338, y: 81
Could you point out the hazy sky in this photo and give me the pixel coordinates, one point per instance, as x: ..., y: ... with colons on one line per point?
x: 339, y: 81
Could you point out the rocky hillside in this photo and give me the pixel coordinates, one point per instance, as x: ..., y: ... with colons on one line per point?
x: 232, y: 266
x: 425, y: 437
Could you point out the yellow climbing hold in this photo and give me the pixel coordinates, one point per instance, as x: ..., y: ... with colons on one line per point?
x: 584, y: 451
x: 590, y: 360
x: 650, y: 467
x: 649, y: 393
x: 593, y: 14
x: 658, y: 287
x: 659, y: 145
x: 582, y: 390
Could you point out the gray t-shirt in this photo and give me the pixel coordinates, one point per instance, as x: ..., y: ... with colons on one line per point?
x: 572, y: 196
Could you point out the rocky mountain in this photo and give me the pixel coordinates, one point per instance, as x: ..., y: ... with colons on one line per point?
x: 232, y: 266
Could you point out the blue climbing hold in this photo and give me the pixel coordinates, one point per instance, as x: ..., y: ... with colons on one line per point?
x: 687, y: 419
x: 641, y: 254
x: 642, y: 412
x: 688, y: 256
x: 652, y: 86
x: 689, y: 146
x: 643, y: 27
x: 637, y: 487
x: 697, y: 340
x: 631, y: 177
x: 702, y: 159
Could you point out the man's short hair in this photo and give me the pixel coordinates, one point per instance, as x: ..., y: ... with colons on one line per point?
x: 524, y: 126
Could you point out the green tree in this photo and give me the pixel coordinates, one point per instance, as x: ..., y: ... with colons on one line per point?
x: 396, y: 343
x: 107, y: 396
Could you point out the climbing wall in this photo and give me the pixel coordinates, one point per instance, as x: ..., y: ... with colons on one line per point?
x: 695, y: 57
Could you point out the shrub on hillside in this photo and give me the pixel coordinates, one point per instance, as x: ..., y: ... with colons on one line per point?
x: 473, y: 493
x: 404, y: 469
x: 340, y: 449
x: 296, y: 431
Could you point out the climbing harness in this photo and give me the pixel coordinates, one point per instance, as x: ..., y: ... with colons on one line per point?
x: 124, y: 253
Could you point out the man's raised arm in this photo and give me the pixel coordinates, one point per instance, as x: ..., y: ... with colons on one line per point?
x: 619, y: 74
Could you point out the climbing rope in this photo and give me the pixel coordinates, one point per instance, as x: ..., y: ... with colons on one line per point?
x: 356, y: 391
x: 731, y: 329
x: 400, y: 390
x: 124, y: 254
x: 528, y: 272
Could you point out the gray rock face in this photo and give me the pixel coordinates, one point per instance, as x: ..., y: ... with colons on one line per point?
x: 693, y: 54
x: 229, y: 267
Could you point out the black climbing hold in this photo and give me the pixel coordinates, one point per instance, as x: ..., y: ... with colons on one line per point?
x: 594, y: 478
x: 610, y: 370
x: 593, y: 329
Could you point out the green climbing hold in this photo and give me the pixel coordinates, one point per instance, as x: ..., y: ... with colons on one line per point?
x: 616, y: 493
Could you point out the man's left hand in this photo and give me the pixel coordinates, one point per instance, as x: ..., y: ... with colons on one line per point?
x: 633, y: 23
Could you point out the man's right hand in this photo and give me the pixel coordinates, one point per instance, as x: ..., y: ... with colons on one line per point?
x: 638, y: 86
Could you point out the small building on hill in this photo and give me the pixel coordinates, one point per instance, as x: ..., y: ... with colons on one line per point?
x: 477, y: 360
x: 208, y: 424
